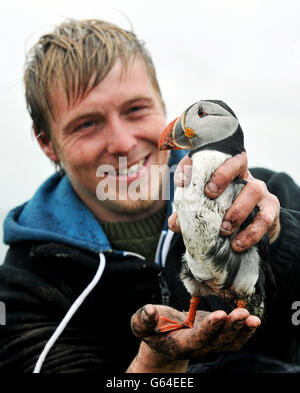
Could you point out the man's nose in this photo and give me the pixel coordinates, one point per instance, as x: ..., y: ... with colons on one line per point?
x: 120, y: 138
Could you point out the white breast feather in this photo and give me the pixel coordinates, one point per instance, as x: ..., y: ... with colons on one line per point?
x: 200, y: 221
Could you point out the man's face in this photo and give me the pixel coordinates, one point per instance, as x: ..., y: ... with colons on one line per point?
x: 121, y: 117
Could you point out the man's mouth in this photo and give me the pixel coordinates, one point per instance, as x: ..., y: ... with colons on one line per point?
x: 133, y: 169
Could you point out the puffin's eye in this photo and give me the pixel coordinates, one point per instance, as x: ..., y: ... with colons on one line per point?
x: 201, y: 112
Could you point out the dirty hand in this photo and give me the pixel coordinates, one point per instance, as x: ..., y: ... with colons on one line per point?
x: 212, y: 333
x: 254, y: 193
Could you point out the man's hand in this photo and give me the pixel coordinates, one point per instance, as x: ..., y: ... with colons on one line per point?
x: 212, y: 333
x: 254, y: 193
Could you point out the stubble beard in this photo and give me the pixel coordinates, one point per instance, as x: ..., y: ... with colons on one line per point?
x: 124, y: 206
x: 129, y: 207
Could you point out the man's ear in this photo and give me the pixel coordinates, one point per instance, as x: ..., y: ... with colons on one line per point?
x: 46, y: 145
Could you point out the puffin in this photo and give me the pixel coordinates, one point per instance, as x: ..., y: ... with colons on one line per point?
x: 211, y: 132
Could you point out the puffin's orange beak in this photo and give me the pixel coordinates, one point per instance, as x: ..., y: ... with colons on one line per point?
x: 166, y: 140
x: 175, y: 136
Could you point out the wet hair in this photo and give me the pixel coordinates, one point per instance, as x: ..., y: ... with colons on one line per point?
x: 77, y: 56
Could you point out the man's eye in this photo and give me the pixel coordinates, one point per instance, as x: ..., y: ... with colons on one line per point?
x: 86, y: 124
x: 135, y: 109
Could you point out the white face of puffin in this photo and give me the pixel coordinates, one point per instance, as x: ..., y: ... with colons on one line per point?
x: 206, y: 122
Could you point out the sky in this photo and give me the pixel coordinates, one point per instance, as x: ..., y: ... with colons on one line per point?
x: 244, y: 52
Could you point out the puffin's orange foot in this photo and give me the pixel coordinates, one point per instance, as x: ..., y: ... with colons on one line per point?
x: 167, y: 325
x: 241, y: 303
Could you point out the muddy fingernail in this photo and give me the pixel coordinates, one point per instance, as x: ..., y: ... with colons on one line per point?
x: 226, y: 226
x: 144, y: 314
x: 148, y: 314
x: 238, y: 244
x: 211, y: 187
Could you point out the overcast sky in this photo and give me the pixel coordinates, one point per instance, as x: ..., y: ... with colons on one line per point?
x: 244, y: 52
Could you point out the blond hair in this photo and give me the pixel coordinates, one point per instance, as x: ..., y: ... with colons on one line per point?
x: 77, y: 55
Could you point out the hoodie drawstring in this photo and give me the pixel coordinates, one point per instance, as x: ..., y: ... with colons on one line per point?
x: 72, y: 310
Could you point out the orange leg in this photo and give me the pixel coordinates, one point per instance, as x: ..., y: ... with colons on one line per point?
x: 192, y: 311
x: 167, y: 324
x: 241, y: 303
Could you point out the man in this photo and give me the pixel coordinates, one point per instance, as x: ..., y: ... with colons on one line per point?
x: 97, y: 113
